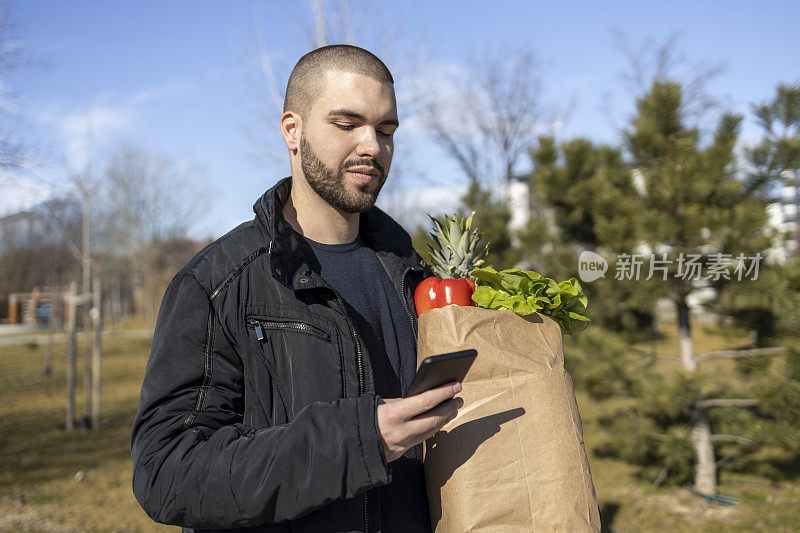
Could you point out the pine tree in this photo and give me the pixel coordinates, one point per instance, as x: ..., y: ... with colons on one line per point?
x: 491, y: 218
x: 763, y: 306
x: 779, y: 149
x: 579, y: 192
x: 692, y: 205
x: 680, y: 196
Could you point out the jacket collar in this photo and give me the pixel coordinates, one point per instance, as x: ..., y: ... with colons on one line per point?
x: 287, y: 259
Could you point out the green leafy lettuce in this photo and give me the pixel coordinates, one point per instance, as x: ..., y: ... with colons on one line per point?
x: 526, y: 292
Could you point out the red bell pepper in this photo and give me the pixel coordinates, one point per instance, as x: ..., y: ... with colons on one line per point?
x: 433, y: 293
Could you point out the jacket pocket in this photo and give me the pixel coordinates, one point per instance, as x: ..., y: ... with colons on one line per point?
x: 259, y: 325
x: 303, y: 357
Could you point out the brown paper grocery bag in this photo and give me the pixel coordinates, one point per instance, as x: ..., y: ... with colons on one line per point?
x: 513, y: 459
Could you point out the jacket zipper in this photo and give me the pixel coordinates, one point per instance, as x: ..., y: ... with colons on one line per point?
x: 360, y: 361
x: 361, y: 389
x: 308, y: 328
x: 405, y: 304
x: 359, y: 357
x: 289, y: 325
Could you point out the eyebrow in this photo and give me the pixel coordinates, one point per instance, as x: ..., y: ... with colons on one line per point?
x: 358, y: 116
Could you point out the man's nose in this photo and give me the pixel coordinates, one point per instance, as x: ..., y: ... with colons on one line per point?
x: 368, y: 144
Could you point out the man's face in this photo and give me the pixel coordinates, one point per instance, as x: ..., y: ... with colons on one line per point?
x: 346, y: 143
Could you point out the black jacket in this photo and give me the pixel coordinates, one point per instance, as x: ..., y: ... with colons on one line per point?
x: 258, y: 406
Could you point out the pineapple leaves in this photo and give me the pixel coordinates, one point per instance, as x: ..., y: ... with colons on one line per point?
x: 526, y: 292
x: 455, y: 249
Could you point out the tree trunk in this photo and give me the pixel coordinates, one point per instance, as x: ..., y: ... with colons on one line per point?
x: 51, y: 325
x: 97, y: 326
x: 685, y: 346
x: 705, y: 468
x: 86, y: 288
x: 72, y: 311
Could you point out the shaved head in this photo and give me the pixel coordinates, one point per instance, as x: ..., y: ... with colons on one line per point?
x: 307, y: 80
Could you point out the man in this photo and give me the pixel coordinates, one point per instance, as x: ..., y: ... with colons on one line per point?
x: 263, y: 399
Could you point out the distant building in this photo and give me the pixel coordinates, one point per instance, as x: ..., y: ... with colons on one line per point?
x: 34, y: 308
x: 783, y: 220
x: 516, y: 197
x: 411, y: 207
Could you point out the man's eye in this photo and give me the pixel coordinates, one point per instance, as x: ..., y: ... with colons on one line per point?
x: 385, y: 133
x: 346, y: 127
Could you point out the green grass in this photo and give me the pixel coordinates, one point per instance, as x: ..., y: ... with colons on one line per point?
x: 39, y: 490
x: 54, y: 481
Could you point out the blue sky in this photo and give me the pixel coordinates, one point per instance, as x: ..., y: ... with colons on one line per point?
x: 181, y: 78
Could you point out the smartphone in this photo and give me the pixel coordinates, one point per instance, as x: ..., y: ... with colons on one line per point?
x: 437, y: 370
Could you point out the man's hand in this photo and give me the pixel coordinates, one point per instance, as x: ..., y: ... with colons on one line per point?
x: 405, y: 422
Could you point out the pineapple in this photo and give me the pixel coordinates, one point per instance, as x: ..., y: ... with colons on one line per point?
x: 456, y: 253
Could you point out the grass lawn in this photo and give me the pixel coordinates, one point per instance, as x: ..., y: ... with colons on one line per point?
x: 51, y: 481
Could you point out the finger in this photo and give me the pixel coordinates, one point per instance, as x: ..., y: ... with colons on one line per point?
x: 445, y: 409
x: 438, y: 428
x: 425, y: 401
x: 435, y: 418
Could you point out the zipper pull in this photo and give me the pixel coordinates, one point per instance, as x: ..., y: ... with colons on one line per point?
x: 259, y: 332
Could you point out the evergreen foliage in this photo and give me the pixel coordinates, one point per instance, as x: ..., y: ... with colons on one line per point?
x: 491, y: 218
x: 689, y: 199
x: 770, y: 306
x: 779, y: 149
x: 581, y: 193
x: 677, y: 190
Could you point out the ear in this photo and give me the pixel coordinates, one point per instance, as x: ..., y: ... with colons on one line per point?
x: 291, y: 125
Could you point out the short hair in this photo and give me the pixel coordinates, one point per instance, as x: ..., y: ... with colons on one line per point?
x: 307, y: 80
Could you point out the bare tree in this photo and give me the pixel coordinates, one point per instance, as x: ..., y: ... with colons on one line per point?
x: 147, y: 200
x: 38, y: 247
x: 488, y: 115
x: 324, y: 22
x: 654, y: 61
x: 327, y: 22
x: 13, y: 55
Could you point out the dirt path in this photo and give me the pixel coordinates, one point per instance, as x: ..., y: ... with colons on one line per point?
x: 42, y: 338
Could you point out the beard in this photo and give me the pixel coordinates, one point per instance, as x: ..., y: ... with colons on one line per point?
x: 330, y: 184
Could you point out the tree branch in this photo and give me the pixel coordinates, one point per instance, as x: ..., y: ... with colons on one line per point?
x: 653, y: 358
x: 265, y: 62
x: 662, y: 476
x: 739, y: 353
x: 725, y: 402
x: 76, y: 252
x: 731, y: 438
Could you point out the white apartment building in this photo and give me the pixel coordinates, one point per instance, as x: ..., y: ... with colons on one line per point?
x: 783, y: 220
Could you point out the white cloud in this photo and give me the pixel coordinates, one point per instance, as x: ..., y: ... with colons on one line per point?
x: 81, y: 130
x: 78, y: 131
x: 411, y: 207
x: 20, y: 193
x: 157, y: 93
x: 7, y: 102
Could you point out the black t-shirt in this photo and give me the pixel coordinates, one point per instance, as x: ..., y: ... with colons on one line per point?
x: 355, y: 272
